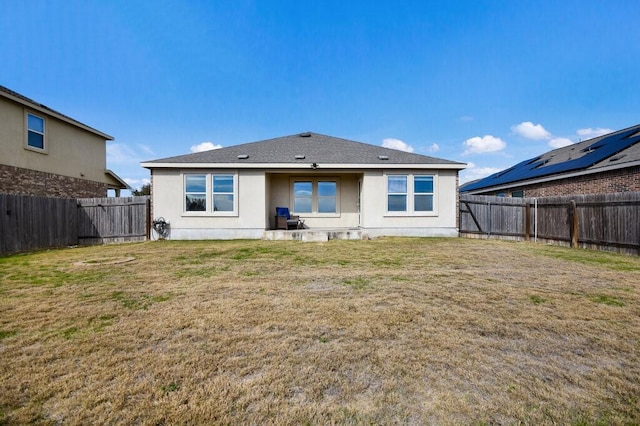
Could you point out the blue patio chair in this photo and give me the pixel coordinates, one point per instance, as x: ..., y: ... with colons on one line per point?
x: 284, y: 219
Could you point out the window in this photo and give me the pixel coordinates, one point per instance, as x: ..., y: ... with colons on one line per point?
x: 211, y: 194
x: 223, y: 193
x: 397, y: 193
x: 316, y: 196
x: 423, y: 193
x: 409, y: 194
x: 327, y: 193
x: 302, y: 197
x: 35, y: 131
x: 195, y: 189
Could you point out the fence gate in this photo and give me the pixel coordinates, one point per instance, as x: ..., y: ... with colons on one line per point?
x: 493, y: 216
x: 113, y: 220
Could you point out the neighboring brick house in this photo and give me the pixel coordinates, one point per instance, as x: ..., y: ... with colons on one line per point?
x: 606, y: 164
x: 45, y: 153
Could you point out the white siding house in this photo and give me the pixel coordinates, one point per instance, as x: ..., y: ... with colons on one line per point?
x: 331, y: 183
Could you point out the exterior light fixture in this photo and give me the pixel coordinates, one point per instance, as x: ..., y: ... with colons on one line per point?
x: 314, y: 166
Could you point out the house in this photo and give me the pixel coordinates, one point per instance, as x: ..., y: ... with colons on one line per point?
x: 331, y: 183
x: 46, y: 153
x: 606, y: 164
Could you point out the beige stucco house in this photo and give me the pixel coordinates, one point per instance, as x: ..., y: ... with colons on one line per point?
x: 45, y: 153
x: 331, y: 183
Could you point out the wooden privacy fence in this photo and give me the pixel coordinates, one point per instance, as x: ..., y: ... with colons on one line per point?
x: 604, y: 221
x: 30, y: 223
x: 113, y: 220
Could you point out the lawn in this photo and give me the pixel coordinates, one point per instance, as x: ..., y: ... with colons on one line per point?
x: 412, y: 331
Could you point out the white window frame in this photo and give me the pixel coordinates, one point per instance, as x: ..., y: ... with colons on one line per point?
x: 45, y: 145
x: 209, y: 212
x: 314, y: 195
x: 432, y: 193
x: 184, y: 193
x: 410, y: 194
x: 233, y: 194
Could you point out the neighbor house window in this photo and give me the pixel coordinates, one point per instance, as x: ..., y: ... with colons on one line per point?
x: 223, y: 193
x: 35, y: 131
x: 316, y: 196
x: 423, y: 193
x: 195, y: 189
x: 409, y: 194
x: 397, y: 193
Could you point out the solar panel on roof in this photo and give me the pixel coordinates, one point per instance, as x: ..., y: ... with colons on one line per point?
x: 533, y: 168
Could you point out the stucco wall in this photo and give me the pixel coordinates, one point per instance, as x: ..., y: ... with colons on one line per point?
x: 168, y: 202
x: 70, y: 151
x: 259, y: 193
x: 442, y: 222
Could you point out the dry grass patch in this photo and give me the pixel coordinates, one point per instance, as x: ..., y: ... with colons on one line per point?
x: 386, y: 331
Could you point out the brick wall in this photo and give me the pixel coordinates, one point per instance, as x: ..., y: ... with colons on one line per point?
x: 622, y: 180
x: 16, y: 180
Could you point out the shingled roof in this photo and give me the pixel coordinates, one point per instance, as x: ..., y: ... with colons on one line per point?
x: 615, y: 150
x: 304, y: 149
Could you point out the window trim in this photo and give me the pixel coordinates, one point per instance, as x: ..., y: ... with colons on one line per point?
x: 234, y: 194
x: 45, y: 144
x: 432, y: 193
x: 185, y: 192
x: 410, y: 194
x: 314, y: 195
x: 209, y: 212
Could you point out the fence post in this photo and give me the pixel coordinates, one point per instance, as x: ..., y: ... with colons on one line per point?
x: 573, y: 219
x: 489, y: 230
x: 148, y: 218
x: 527, y: 222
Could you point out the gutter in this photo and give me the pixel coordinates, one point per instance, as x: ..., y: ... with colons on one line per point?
x: 301, y: 166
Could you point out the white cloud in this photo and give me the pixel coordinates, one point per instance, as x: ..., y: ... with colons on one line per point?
x: 481, y: 145
x: 473, y: 172
x: 135, y: 183
x: 118, y: 153
x: 205, y: 146
x: 466, y: 118
x: 592, y: 133
x: 531, y: 131
x: 145, y: 149
x: 396, y: 144
x: 434, y: 147
x: 560, y: 142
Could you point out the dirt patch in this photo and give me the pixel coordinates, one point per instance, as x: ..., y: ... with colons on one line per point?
x: 104, y: 261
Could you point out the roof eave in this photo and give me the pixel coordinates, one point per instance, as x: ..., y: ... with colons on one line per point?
x: 57, y: 115
x: 302, y: 166
x: 121, y: 184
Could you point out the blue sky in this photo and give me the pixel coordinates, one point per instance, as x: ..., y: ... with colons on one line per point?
x: 489, y: 83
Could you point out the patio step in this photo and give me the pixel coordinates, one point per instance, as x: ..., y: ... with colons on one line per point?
x: 314, y: 235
